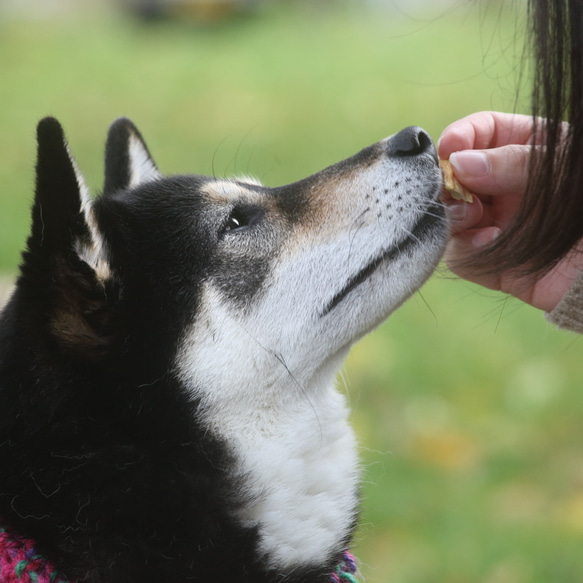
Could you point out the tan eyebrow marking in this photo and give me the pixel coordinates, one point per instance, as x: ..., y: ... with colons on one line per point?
x: 226, y: 190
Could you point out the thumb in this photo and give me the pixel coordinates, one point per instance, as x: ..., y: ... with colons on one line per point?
x: 497, y: 171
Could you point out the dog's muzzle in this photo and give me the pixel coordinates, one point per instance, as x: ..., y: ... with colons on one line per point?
x: 410, y: 142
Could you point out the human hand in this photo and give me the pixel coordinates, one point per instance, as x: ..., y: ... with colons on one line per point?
x: 490, y: 153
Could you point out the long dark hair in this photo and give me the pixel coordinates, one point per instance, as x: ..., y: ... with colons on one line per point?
x: 549, y: 221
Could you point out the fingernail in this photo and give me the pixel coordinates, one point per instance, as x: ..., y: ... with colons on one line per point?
x: 485, y: 236
x: 470, y: 163
x: 456, y: 211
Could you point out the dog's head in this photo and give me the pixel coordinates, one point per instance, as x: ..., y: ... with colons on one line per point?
x: 235, y: 301
x: 230, y: 272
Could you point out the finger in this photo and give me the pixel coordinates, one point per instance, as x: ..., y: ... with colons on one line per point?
x: 485, y: 130
x: 461, y: 246
x: 498, y: 171
x: 462, y: 215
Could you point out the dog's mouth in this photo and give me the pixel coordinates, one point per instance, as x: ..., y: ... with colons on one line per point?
x: 422, y: 229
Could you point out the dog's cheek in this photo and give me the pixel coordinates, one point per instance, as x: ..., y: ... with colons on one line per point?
x: 243, y: 264
x: 239, y: 280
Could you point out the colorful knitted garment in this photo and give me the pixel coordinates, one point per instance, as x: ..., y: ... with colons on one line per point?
x: 344, y: 572
x: 20, y: 563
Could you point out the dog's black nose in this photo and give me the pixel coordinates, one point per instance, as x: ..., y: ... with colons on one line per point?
x: 411, y: 141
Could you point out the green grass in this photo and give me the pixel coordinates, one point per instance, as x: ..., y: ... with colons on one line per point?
x: 467, y: 405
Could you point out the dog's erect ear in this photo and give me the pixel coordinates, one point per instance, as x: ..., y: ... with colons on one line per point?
x: 128, y: 162
x: 61, y: 199
x: 66, y: 261
x: 62, y: 218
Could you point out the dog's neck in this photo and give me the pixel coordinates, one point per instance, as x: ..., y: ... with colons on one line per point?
x: 295, y: 455
x: 301, y: 478
x: 275, y: 404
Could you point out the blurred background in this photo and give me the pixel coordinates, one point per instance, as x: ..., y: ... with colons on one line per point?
x: 466, y: 403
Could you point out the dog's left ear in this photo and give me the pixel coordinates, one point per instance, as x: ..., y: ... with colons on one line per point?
x: 62, y: 213
x: 128, y: 162
x: 66, y: 263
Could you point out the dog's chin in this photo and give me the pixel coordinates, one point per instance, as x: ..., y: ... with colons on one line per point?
x: 425, y: 229
x: 368, y: 298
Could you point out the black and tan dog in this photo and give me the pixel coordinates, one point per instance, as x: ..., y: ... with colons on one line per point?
x: 167, y: 361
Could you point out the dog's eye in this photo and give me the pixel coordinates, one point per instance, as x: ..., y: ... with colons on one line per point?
x: 233, y: 223
x: 241, y: 218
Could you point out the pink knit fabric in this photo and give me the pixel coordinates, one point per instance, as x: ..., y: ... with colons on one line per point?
x: 20, y: 563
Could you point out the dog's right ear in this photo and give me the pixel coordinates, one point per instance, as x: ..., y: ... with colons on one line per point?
x: 128, y: 162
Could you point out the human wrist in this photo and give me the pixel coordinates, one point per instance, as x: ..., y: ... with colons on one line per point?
x: 568, y: 313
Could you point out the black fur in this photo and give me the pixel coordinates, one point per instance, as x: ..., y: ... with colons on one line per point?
x: 117, y: 159
x: 102, y: 460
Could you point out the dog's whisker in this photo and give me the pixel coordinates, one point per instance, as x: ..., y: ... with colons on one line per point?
x: 353, y: 234
x: 302, y: 389
x: 279, y: 357
x: 410, y: 235
x: 430, y: 214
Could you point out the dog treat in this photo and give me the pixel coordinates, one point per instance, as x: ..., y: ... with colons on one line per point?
x: 452, y: 185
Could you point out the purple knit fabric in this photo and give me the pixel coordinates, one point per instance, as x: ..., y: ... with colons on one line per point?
x: 345, y: 571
